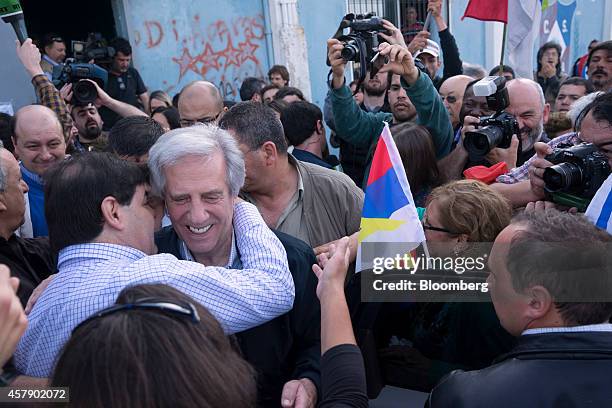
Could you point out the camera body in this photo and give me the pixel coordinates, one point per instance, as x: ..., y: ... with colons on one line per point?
x: 83, y: 92
x: 577, y: 170
x: 495, y: 130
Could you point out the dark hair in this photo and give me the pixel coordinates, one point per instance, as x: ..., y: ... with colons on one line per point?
x: 266, y: 88
x: 505, y: 68
x: 7, y: 126
x: 604, y: 45
x: 299, y: 121
x: 289, y: 90
x: 281, y: 70
x: 253, y: 124
x: 175, y: 99
x: 251, y: 86
x: 75, y: 189
x: 601, y: 109
x: 171, y: 114
x: 50, y: 38
x: 121, y: 45
x: 568, y: 256
x: 418, y: 156
x: 147, y: 357
x: 278, y: 105
x: 542, y: 50
x: 133, y: 136
x: 579, y: 81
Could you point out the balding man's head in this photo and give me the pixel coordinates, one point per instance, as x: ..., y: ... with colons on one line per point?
x: 528, y: 105
x: 200, y: 101
x: 452, y: 95
x: 39, y: 140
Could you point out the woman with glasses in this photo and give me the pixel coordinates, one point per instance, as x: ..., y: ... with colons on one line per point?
x: 436, y: 338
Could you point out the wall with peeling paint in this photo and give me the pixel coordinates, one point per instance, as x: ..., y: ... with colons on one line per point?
x: 219, y: 42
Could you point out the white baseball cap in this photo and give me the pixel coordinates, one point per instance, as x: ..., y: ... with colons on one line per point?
x: 432, y: 48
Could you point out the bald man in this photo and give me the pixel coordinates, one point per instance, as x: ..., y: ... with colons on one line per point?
x: 200, y: 102
x: 39, y: 143
x: 451, y: 92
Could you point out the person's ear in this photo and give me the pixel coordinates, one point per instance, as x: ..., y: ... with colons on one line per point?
x: 540, y: 302
x: 111, y: 212
x: 320, y: 127
x: 270, y: 153
x: 546, y: 113
x: 3, y: 206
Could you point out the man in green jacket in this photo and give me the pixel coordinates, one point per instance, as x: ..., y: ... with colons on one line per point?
x: 363, y: 128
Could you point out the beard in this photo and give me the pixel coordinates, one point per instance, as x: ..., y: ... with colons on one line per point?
x: 530, y: 136
x: 375, y: 90
x: 92, y: 132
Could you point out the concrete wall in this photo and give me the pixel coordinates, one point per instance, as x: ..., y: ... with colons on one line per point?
x: 320, y: 19
x: 15, y: 85
x: 178, y: 42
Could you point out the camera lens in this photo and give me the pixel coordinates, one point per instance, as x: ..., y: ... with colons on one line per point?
x: 563, y: 177
x: 350, y: 52
x: 84, y: 92
x: 480, y: 142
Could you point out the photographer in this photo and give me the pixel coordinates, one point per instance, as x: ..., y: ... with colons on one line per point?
x: 407, y: 81
x: 124, y: 83
x: 87, y: 119
x: 527, y: 105
x: 594, y: 125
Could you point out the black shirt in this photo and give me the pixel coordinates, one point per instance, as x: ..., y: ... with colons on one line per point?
x: 125, y: 88
x: 343, y: 381
x: 30, y: 259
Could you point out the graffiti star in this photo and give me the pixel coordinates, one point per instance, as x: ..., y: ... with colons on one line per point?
x: 185, y: 62
x: 208, y: 59
x: 231, y: 54
x: 247, y: 51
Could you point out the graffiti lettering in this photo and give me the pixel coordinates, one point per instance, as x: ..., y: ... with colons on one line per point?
x: 153, y: 28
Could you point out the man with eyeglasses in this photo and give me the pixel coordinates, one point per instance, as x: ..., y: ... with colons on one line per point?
x: 200, y: 103
x: 594, y: 125
x: 451, y: 92
x: 54, y: 53
x: 124, y: 83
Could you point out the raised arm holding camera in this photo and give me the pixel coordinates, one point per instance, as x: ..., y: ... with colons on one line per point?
x: 409, y: 87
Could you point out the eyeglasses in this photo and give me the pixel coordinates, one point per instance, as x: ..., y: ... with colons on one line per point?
x: 202, y: 121
x: 426, y: 226
x: 187, y: 310
x: 449, y: 98
x: 57, y: 39
x: 121, y: 83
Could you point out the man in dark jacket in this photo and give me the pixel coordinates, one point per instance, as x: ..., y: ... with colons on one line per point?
x: 551, y: 286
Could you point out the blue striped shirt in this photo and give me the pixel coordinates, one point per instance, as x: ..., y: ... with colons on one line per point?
x: 91, y: 276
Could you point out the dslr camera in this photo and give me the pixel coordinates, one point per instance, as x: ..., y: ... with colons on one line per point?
x: 495, y: 130
x: 576, y: 175
x: 361, y: 43
x: 94, y: 48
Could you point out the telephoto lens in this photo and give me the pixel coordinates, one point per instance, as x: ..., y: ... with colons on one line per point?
x: 84, y: 92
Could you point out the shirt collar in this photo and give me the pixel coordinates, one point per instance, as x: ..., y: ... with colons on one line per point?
x: 294, y: 162
x: 30, y: 175
x: 97, y: 251
x: 49, y: 60
x: 188, y: 256
x: 603, y: 327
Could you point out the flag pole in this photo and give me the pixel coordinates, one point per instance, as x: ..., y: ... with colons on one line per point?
x: 503, y: 50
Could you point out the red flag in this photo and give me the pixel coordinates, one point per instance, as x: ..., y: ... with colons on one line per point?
x: 487, y: 10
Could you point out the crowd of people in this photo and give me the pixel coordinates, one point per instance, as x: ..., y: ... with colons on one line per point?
x: 191, y: 251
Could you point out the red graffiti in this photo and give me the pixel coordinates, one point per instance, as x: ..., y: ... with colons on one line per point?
x: 152, y: 27
x: 174, y: 30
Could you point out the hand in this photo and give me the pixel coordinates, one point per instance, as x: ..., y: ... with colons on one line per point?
x: 547, y: 205
x: 300, y: 393
x: 536, y: 169
x: 435, y: 7
x: 469, y: 125
x: 37, y: 292
x: 66, y: 93
x: 333, y: 275
x: 419, y: 42
x: 103, y: 98
x: 400, y: 62
x: 13, y: 321
x: 334, y: 48
x: 323, y: 252
x: 395, y: 35
x: 508, y: 155
x: 29, y: 55
x: 548, y: 70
